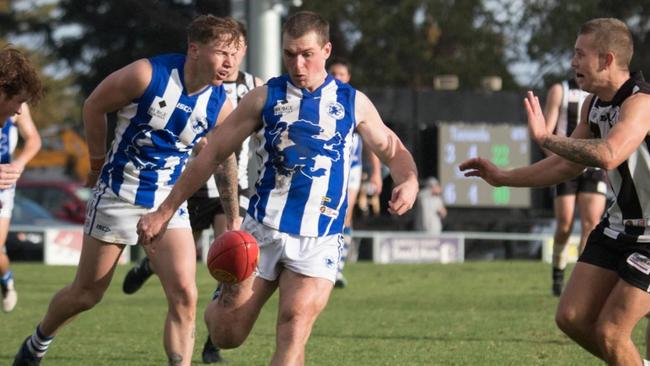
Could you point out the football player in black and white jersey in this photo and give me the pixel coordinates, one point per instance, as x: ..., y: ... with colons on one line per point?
x: 205, y: 207
x: 607, y: 293
x: 586, y: 191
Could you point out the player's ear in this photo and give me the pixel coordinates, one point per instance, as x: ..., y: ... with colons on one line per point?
x: 193, y: 50
x: 327, y: 48
x: 608, y: 59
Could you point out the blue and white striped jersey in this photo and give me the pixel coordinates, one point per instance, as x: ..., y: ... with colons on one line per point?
x: 357, y: 151
x: 8, y: 140
x: 305, y: 145
x: 156, y: 132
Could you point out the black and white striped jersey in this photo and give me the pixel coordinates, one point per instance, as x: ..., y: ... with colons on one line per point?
x: 569, y: 115
x: 628, y: 218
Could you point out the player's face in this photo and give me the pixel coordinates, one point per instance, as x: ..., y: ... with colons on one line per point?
x: 9, y: 107
x: 340, y: 72
x: 305, y: 58
x: 216, y: 60
x: 239, y: 58
x: 587, y: 63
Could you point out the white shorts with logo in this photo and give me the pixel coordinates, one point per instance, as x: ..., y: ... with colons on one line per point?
x: 7, y: 202
x: 111, y: 219
x: 308, y: 256
x: 354, y: 183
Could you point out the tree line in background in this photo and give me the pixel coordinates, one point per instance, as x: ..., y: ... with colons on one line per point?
x: 402, y: 44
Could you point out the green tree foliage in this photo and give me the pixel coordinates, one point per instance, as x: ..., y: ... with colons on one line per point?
x: 61, y: 99
x: 97, y: 37
x: 406, y: 43
x: 554, y: 25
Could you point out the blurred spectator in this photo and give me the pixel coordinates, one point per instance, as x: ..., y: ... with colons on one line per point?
x: 429, y: 207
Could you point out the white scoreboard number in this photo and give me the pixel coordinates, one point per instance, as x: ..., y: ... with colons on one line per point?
x: 505, y: 145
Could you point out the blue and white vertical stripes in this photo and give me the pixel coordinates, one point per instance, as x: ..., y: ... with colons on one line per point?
x: 156, y: 132
x: 306, y: 147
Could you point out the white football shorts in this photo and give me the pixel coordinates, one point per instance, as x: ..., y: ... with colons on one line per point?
x: 308, y: 256
x: 354, y: 182
x: 113, y: 220
x: 7, y: 202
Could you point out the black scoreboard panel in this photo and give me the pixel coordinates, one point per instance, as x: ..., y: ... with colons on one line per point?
x: 505, y: 145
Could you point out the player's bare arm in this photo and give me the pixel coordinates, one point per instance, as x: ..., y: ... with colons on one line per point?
x: 10, y: 172
x: 551, y: 170
x: 226, y: 178
x: 388, y: 147
x: 113, y: 93
x: 32, y: 140
x: 223, y: 139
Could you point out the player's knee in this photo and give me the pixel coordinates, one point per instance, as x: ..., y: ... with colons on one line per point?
x: 567, y: 320
x: 609, y: 337
x: 227, y: 338
x: 183, y: 297
x: 87, y: 298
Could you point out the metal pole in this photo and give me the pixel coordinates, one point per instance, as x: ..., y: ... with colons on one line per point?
x: 264, y: 24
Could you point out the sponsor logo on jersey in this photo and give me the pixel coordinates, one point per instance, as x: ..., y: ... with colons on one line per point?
x: 640, y: 262
x: 157, y: 113
x: 336, y: 110
x: 329, y: 212
x: 637, y: 222
x: 103, y: 228
x: 283, y: 107
x: 184, y: 107
x: 199, y: 125
x: 330, y: 262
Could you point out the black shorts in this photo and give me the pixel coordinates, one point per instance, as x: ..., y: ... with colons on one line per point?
x: 590, y: 181
x: 202, y: 211
x: 630, y: 261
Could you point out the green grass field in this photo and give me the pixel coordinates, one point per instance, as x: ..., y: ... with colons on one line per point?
x: 476, y: 313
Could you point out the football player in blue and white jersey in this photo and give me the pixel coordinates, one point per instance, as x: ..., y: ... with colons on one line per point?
x: 164, y: 104
x: 340, y: 69
x: 304, y: 122
x: 19, y: 83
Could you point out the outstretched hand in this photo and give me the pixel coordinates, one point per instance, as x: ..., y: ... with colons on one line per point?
x: 483, y: 168
x: 403, y: 197
x: 536, y: 120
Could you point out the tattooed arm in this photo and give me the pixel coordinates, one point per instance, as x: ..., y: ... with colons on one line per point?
x: 622, y: 140
x: 588, y: 152
x: 226, y: 178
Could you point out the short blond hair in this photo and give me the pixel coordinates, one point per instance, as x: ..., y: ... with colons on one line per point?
x: 611, y: 35
x: 207, y: 28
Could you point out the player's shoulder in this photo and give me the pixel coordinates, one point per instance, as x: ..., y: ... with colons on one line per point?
x: 168, y: 59
x: 278, y: 81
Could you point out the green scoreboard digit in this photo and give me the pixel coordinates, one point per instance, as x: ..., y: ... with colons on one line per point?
x: 505, y: 145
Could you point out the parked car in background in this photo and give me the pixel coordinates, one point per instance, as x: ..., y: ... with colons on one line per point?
x: 66, y: 200
x: 23, y: 243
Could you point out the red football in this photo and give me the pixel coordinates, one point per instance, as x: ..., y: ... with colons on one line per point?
x: 233, y: 256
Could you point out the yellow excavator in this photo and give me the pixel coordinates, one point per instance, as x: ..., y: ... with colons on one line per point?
x: 64, y: 150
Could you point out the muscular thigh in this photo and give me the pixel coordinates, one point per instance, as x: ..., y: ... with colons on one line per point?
x: 97, y: 263
x: 564, y: 206
x: 591, y: 206
x: 303, y: 295
x: 174, y: 257
x: 625, y: 306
